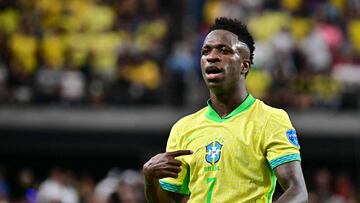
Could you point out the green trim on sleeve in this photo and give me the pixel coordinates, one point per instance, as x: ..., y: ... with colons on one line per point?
x: 284, y: 159
x: 170, y: 187
x: 185, y: 185
x: 173, y: 188
x: 245, y: 105
x: 272, y: 188
x: 182, y: 189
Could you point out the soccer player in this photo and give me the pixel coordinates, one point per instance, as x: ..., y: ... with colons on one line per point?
x: 234, y: 149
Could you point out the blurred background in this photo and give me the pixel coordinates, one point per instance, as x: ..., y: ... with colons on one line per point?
x: 89, y: 90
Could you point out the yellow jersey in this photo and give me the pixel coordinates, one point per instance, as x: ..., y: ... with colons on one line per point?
x: 234, y: 157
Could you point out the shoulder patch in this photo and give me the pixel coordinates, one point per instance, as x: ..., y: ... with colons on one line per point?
x: 291, y: 135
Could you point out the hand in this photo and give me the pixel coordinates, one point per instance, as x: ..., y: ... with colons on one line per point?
x: 164, y: 165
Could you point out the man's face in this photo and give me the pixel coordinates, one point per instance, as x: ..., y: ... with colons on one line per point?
x: 223, y: 60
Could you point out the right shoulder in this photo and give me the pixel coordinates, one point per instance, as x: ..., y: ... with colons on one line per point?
x: 190, y: 119
x: 179, y: 129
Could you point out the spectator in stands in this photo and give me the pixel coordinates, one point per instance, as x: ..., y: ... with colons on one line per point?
x: 72, y: 85
x: 4, y: 190
x: 26, y: 187
x: 345, y: 188
x: 323, y: 191
x: 130, y: 188
x: 107, y: 185
x: 57, y: 188
x: 86, y: 189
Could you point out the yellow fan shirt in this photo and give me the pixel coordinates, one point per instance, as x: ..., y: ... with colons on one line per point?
x: 234, y: 157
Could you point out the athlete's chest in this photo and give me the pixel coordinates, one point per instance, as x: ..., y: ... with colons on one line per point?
x: 222, y: 145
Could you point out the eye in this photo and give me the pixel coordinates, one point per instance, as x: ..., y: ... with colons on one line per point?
x: 225, y: 50
x: 205, y: 52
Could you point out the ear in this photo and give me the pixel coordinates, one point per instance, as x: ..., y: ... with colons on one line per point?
x: 245, y: 65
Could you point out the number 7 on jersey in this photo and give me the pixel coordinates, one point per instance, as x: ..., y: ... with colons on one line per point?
x: 209, y: 194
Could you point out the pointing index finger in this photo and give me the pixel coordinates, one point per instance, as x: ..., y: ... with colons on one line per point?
x: 180, y: 153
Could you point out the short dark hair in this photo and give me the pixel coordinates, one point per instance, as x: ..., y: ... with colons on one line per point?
x: 238, y: 28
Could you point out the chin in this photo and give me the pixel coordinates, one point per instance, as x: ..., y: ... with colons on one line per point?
x: 216, y: 88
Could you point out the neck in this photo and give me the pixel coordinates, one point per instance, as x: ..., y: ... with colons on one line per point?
x: 224, y: 103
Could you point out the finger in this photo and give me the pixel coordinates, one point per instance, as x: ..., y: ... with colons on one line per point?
x: 180, y: 153
x: 175, y: 169
x: 174, y: 162
x: 167, y: 174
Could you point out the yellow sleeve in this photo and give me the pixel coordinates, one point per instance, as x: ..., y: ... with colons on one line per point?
x: 281, y: 143
x: 179, y: 184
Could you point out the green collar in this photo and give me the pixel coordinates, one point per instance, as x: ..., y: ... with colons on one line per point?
x: 214, y: 116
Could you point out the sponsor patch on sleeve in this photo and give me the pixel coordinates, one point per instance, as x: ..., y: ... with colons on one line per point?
x: 291, y: 135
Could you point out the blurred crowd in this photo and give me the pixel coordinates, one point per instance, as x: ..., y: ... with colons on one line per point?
x: 328, y: 187
x: 108, y: 52
x: 127, y: 186
x: 64, y: 186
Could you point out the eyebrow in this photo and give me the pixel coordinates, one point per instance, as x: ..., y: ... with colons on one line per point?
x: 207, y: 46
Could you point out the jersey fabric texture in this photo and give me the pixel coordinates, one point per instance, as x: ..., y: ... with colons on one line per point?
x: 234, y: 157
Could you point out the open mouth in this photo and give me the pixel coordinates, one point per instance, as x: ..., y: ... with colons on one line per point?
x: 213, y: 73
x: 213, y: 70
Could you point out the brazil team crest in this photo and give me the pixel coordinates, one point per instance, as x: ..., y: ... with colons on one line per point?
x: 291, y: 134
x: 213, y: 152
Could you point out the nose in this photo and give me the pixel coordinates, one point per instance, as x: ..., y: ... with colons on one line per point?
x: 213, y: 56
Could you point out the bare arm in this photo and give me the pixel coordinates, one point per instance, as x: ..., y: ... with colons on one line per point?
x: 291, y: 179
x: 161, y: 166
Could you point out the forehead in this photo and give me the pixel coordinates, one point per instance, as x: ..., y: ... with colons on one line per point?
x: 221, y: 37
